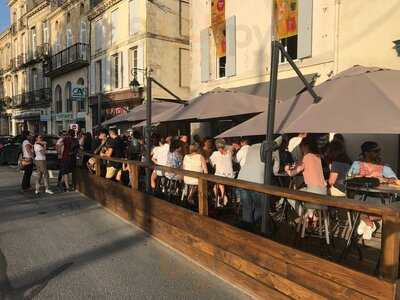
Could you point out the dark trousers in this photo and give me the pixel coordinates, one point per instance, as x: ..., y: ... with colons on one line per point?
x: 251, y: 205
x: 26, y: 180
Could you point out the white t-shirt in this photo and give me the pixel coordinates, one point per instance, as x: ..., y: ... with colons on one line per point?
x: 25, y: 152
x: 242, y: 154
x: 40, y: 153
x: 222, y: 163
x: 294, y: 148
x: 160, y: 155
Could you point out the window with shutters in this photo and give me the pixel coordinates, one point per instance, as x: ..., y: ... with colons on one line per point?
x: 300, y: 46
x: 114, y: 25
x: 115, y: 71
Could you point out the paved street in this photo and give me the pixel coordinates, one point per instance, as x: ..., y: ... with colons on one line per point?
x: 67, y: 247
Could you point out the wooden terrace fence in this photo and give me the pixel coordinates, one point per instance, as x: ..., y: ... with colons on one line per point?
x: 263, y: 268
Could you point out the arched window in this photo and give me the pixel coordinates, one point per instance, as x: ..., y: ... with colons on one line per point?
x: 58, y: 99
x: 68, y: 17
x: 82, y: 9
x: 81, y: 105
x: 16, y: 90
x: 68, y: 96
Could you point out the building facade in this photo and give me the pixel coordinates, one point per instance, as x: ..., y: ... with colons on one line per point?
x: 231, y: 47
x: 68, y: 65
x: 129, y: 37
x: 27, y: 88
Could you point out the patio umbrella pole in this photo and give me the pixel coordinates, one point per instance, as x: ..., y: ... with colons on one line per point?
x: 273, y: 83
x: 148, y: 129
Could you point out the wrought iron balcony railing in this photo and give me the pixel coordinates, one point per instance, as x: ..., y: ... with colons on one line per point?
x: 71, y: 58
x: 38, y: 98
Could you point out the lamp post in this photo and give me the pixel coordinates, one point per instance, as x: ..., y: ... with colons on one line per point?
x: 136, y: 88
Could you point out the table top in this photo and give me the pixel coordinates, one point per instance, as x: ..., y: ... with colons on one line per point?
x: 381, y: 189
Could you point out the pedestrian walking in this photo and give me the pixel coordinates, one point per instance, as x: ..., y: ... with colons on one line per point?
x: 41, y: 165
x: 67, y: 156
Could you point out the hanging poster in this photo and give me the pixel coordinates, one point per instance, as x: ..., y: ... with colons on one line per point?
x: 220, y: 39
x: 286, y: 15
x: 217, y: 12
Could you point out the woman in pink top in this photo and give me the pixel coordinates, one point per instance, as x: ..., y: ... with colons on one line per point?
x: 311, y: 167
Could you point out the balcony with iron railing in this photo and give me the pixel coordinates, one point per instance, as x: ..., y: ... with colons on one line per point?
x: 69, y: 59
x: 34, y: 99
x: 40, y: 53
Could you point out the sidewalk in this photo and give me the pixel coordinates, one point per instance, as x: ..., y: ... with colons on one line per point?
x: 67, y: 247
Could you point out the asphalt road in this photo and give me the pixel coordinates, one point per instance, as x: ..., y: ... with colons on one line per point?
x: 65, y: 246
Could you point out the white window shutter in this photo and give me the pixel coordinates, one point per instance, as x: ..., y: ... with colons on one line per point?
x: 205, y: 54
x: 304, y: 38
x: 105, y: 69
x: 69, y: 37
x: 133, y: 17
x: 231, y: 46
x: 83, y: 33
x: 92, y: 79
x: 140, y: 54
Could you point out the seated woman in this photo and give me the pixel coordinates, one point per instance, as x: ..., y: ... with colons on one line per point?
x: 370, y: 164
x: 174, y: 160
x: 339, y: 165
x: 311, y: 167
x: 222, y: 161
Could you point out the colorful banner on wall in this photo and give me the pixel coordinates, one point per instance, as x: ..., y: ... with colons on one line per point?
x: 286, y: 12
x: 219, y: 32
x: 218, y: 26
x: 217, y: 12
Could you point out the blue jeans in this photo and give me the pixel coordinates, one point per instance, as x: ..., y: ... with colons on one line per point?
x: 251, y: 205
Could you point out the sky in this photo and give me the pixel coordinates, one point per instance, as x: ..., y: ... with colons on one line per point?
x: 4, y: 15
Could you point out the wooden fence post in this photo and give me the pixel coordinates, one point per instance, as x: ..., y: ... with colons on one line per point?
x: 98, y: 166
x: 134, y: 174
x: 389, y: 265
x: 203, y: 201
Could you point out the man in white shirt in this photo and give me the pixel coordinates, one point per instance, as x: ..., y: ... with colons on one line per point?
x: 41, y: 165
x: 27, y: 156
x: 242, y: 153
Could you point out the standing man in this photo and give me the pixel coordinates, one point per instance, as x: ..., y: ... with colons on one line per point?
x: 59, y: 149
x: 27, y: 157
x: 41, y: 165
x: 67, y: 156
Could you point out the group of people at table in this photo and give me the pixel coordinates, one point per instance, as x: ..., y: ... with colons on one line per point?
x: 316, y: 164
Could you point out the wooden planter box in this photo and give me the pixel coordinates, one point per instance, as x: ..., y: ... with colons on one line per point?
x: 261, y: 267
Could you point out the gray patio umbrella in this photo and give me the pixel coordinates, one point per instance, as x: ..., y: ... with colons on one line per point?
x: 138, y: 113
x: 358, y: 100
x: 219, y: 103
x: 286, y: 111
x: 158, y: 118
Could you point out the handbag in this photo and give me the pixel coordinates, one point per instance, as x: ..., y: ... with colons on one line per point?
x: 22, y: 163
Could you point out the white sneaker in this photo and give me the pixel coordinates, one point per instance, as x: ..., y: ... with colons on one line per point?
x: 49, y: 192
